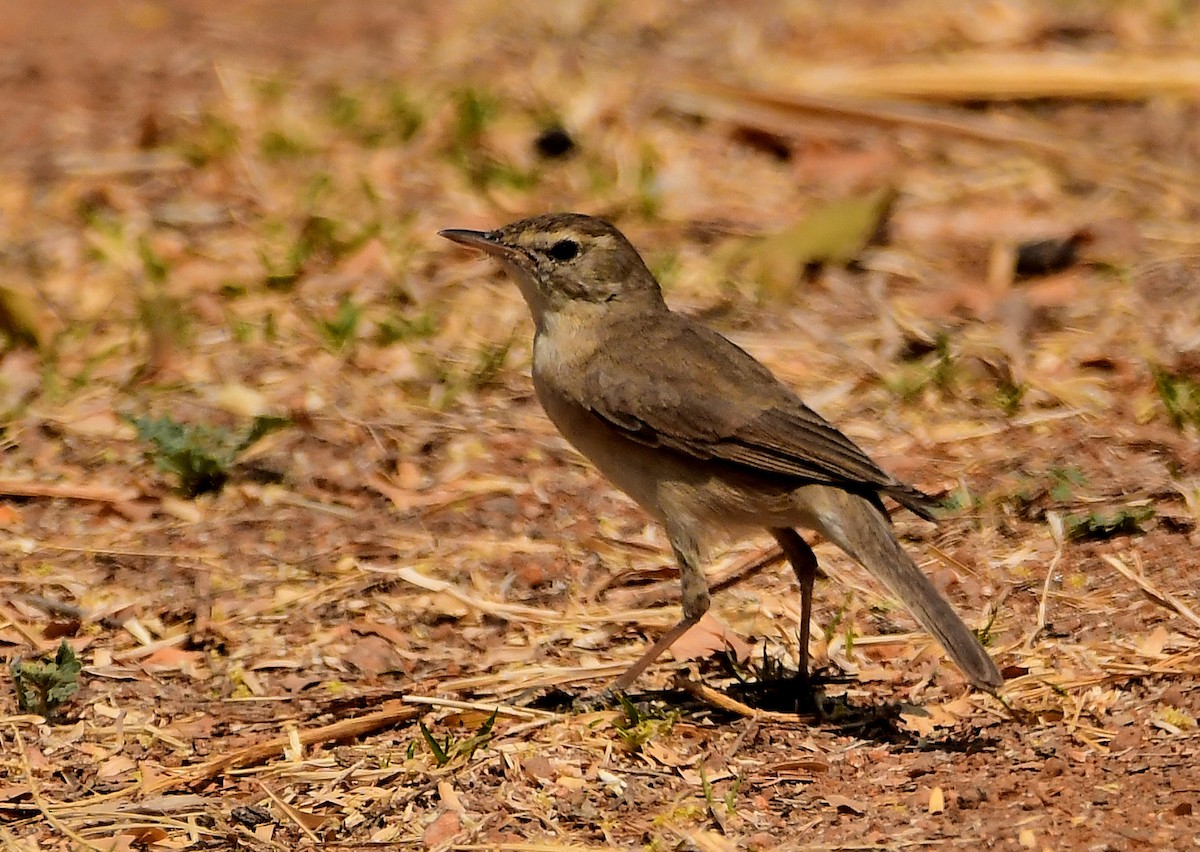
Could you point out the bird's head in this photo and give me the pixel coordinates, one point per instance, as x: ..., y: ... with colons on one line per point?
x: 568, y: 262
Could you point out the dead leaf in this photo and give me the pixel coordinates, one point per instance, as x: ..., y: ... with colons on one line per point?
x: 20, y: 320
x: 834, y: 233
x: 147, y: 834
x: 450, y: 798
x: 1154, y: 644
x: 172, y: 659
x: 667, y: 756
x: 398, y: 638
x: 803, y: 764
x: 116, y: 765
x: 374, y: 655
x: 843, y: 803
x: 122, y: 842
x: 538, y: 767
x: 441, y: 829
x: 921, y: 725
x: 708, y: 637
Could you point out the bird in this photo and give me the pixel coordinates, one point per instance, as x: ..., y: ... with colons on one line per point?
x: 699, y: 433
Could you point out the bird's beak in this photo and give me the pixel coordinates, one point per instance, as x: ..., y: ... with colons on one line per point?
x: 482, y: 240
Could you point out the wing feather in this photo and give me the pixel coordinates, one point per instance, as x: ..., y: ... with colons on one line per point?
x: 718, y: 402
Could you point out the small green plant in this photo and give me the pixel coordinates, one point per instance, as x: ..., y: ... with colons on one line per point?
x: 1180, y: 396
x: 490, y: 362
x: 43, y: 687
x: 635, y: 728
x: 959, y: 499
x: 161, y: 314
x: 1009, y: 395
x: 320, y: 238
x: 213, y: 140
x: 834, y: 623
x: 649, y: 191
x: 449, y: 749
x: 945, y: 368
x: 277, y: 145
x: 1097, y: 526
x: 1066, y: 480
x: 929, y: 363
x: 474, y: 112
x: 398, y: 329
x: 342, y: 329
x: 199, y: 456
x: 984, y: 634
x: 375, y: 118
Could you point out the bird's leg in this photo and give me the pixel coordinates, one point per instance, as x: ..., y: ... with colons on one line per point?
x: 695, y: 604
x: 804, y: 563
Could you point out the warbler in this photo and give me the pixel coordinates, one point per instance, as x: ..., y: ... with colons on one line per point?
x: 698, y: 432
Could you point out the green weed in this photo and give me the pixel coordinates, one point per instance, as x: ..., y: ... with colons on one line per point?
x: 449, y: 749
x: 213, y: 140
x: 1180, y: 397
x: 635, y: 728
x: 44, y: 687
x: 342, y: 329
x: 198, y: 456
x: 1098, y: 526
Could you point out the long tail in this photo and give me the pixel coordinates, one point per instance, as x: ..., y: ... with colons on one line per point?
x: 857, y: 527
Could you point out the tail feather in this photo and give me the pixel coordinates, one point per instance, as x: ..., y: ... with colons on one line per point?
x: 857, y: 527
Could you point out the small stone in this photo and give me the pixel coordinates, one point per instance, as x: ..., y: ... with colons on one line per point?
x: 1054, y: 767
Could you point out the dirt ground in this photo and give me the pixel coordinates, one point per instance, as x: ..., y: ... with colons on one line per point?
x: 364, y: 628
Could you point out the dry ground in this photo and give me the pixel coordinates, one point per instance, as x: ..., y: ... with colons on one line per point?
x: 211, y: 212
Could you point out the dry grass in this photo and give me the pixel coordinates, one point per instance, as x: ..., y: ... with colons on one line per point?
x: 361, y: 640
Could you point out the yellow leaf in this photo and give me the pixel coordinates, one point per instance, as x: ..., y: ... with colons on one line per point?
x: 834, y: 233
x: 20, y: 320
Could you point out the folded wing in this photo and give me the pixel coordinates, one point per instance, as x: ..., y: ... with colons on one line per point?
x: 725, y: 405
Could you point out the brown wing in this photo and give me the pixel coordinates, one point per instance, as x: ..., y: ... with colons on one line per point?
x: 710, y: 399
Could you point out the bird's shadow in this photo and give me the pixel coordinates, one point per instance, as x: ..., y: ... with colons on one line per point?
x: 815, y: 701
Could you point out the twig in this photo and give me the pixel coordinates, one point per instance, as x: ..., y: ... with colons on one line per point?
x: 1164, y: 599
x: 790, y: 112
x: 345, y: 729
x: 1056, y: 530
x: 292, y: 813
x: 713, y: 698
x: 483, y: 706
x: 66, y: 491
x: 41, y: 803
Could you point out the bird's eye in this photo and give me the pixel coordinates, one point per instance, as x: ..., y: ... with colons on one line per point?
x: 564, y: 250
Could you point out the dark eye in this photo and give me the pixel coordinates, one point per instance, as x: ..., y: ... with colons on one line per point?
x: 564, y: 250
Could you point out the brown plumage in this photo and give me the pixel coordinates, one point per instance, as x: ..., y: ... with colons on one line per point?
x: 697, y: 431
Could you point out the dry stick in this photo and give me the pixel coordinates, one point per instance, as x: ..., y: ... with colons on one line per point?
x: 1056, y: 530
x: 990, y: 77
x: 785, y: 113
x: 721, y: 701
x: 40, y: 803
x: 261, y: 752
x: 6, y: 614
x: 65, y: 490
x: 1164, y: 599
x: 293, y: 814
